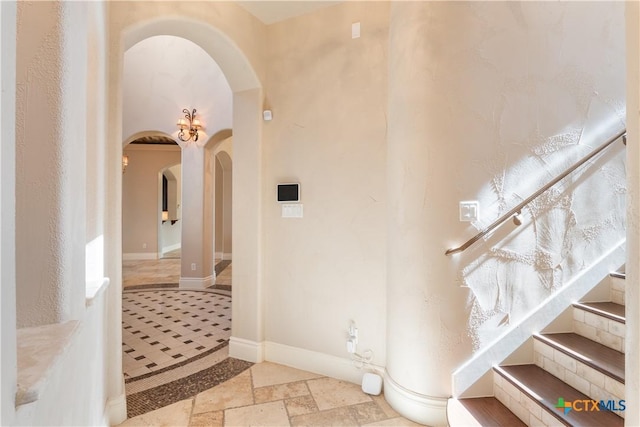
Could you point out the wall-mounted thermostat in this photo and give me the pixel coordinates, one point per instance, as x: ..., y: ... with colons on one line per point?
x: 289, y: 192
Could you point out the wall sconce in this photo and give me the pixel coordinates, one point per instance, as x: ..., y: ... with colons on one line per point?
x: 125, y: 162
x: 191, y: 123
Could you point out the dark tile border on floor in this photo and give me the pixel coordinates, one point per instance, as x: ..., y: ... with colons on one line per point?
x: 184, y: 388
x: 150, y: 286
x: 177, y: 365
x: 221, y: 266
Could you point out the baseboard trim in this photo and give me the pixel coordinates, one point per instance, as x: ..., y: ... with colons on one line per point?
x: 131, y: 256
x: 226, y: 256
x: 171, y: 248
x: 196, y: 282
x: 250, y: 351
x: 423, y: 409
x: 116, y: 409
x: 318, y: 363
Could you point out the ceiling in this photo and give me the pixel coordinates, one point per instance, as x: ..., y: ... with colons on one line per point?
x: 270, y: 12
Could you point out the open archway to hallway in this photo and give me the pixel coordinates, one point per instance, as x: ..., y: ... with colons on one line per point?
x: 247, y: 98
x: 244, y: 111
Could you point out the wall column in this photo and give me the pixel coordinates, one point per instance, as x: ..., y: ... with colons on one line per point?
x: 632, y: 293
x: 8, y: 356
x: 247, y: 333
x: 197, y: 222
x: 50, y: 162
x: 425, y: 309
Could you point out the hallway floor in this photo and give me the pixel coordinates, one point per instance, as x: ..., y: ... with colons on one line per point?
x: 268, y: 394
x: 178, y: 373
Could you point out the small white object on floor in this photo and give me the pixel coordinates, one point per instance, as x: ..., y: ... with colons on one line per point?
x: 372, y: 384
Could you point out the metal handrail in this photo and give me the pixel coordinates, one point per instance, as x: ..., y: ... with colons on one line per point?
x: 518, y: 209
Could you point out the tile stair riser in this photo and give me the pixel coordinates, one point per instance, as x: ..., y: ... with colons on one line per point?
x: 525, y: 408
x: 617, y: 290
x: 600, y: 329
x: 578, y: 375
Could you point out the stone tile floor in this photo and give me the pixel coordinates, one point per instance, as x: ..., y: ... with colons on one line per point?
x: 162, y: 328
x: 268, y: 394
x: 205, y: 387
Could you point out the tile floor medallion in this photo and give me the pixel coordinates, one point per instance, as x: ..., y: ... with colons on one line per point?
x: 175, y: 341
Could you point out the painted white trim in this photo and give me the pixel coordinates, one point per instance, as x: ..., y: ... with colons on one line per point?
x: 116, y: 410
x: 94, y: 289
x: 171, y: 248
x: 318, y: 363
x: 226, y: 256
x: 217, y: 255
x: 196, y: 282
x: 132, y: 256
x: 248, y: 350
x: 423, y: 409
x: 471, y: 371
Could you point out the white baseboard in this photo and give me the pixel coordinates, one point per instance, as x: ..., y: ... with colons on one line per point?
x: 224, y: 256
x: 423, y: 409
x: 171, y: 248
x: 341, y: 368
x: 140, y: 256
x: 116, y: 410
x: 248, y: 350
x: 196, y: 282
x: 299, y: 358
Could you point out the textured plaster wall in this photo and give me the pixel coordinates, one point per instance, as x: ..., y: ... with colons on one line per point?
x: 521, y: 79
x: 328, y: 96
x: 141, y: 187
x: 50, y: 158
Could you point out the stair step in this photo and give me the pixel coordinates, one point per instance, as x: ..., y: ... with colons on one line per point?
x: 610, y: 310
x: 602, y: 322
x: 546, y: 390
x: 597, y: 356
x: 488, y: 411
x: 617, y: 283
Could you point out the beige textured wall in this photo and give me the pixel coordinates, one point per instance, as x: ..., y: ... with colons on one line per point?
x: 141, y: 189
x: 328, y: 96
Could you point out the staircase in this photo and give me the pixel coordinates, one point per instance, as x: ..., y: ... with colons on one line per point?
x: 577, y: 378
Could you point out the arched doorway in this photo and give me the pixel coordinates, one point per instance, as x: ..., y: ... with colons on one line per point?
x: 247, y: 332
x: 128, y: 26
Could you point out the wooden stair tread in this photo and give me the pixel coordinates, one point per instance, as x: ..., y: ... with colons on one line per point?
x: 610, y: 310
x: 602, y: 358
x: 488, y: 411
x: 546, y: 389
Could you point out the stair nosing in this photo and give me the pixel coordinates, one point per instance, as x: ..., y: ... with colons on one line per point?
x: 529, y: 392
x: 545, y: 338
x: 600, y: 312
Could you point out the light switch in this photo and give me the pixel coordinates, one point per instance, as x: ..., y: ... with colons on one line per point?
x: 469, y: 210
x: 292, y: 210
x: 355, y: 30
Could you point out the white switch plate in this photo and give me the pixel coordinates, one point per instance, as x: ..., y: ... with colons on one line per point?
x: 469, y: 210
x: 355, y: 30
x: 292, y: 210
